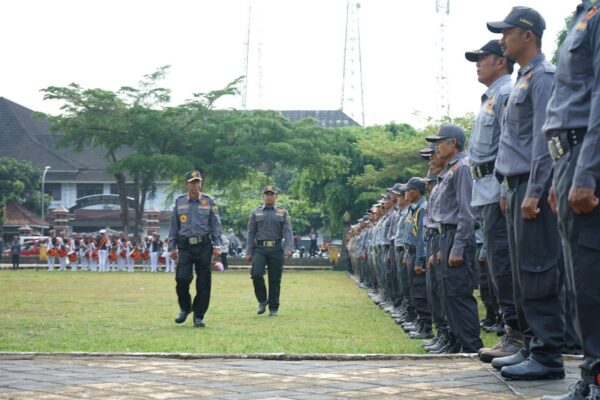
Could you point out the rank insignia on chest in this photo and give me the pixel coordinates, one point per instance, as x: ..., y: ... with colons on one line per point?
x: 590, y: 13
x: 183, y: 218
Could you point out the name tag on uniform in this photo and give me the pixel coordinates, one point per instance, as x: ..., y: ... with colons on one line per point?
x: 182, y: 207
x: 204, y: 207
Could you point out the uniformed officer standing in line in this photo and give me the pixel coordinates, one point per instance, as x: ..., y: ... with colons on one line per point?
x: 456, y: 217
x: 524, y: 165
x: 493, y: 71
x: 395, y: 291
x: 417, y: 262
x: 434, y: 277
x: 573, y: 129
x: 269, y: 230
x: 195, y: 231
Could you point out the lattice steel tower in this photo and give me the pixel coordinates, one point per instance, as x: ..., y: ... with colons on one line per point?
x: 252, y: 89
x: 352, y: 83
x: 442, y: 9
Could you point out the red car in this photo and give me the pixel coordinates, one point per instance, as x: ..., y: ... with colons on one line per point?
x: 28, y: 248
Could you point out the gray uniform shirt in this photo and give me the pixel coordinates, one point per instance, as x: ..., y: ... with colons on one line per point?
x: 523, y: 148
x: 394, y: 215
x: 194, y: 217
x: 454, y: 201
x: 575, y: 100
x: 269, y: 223
x: 401, y: 228
x: 485, y: 138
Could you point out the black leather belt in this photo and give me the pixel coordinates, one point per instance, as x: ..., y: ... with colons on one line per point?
x: 512, y: 182
x: 447, y: 227
x: 194, y: 240
x: 561, y: 141
x: 268, y: 243
x: 481, y: 170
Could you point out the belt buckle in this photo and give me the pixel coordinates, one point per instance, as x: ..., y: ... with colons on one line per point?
x: 269, y: 243
x: 473, y: 172
x: 505, y: 184
x: 555, y: 148
x: 193, y: 240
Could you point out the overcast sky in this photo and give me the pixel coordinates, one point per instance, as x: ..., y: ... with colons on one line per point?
x: 110, y: 43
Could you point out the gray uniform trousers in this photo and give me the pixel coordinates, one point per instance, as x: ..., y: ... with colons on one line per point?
x: 495, y: 236
x: 487, y: 291
x: 372, y: 264
x: 581, y: 243
x: 382, y: 267
x: 418, y: 291
x: 458, y: 286
x: 392, y: 278
x: 404, y: 282
x: 434, y: 284
x: 537, y: 277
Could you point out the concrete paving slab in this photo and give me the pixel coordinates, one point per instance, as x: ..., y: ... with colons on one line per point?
x: 64, y: 376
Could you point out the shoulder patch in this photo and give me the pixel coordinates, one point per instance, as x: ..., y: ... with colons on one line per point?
x: 215, y: 209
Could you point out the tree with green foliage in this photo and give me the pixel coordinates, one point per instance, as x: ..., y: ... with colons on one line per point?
x: 147, y: 140
x: 141, y: 136
x: 20, y: 182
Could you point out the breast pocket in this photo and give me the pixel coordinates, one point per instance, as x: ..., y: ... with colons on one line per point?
x: 580, y: 53
x: 203, y: 214
x: 486, y: 133
x: 260, y: 220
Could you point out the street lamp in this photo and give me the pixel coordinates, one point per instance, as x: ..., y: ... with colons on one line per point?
x: 43, y: 181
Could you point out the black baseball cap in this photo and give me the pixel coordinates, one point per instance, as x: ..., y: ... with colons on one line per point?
x: 491, y: 47
x: 194, y: 175
x: 417, y: 184
x: 522, y: 17
x: 431, y: 178
x: 427, y: 151
x: 398, y: 188
x: 448, y: 131
x: 270, y: 188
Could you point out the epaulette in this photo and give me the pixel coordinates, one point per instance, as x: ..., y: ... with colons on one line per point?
x: 202, y: 195
x: 549, y: 67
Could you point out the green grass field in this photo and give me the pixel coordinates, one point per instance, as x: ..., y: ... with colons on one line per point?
x: 321, y: 312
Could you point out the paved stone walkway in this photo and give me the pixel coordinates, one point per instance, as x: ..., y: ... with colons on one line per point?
x: 126, y: 377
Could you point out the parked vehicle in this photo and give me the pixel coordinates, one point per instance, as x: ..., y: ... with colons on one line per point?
x: 28, y: 248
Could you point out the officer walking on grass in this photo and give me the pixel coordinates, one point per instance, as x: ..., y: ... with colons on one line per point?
x: 269, y: 232
x: 196, y: 231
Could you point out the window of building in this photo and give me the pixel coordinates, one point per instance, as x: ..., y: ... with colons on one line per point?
x: 89, y: 189
x: 129, y: 189
x: 54, y: 190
